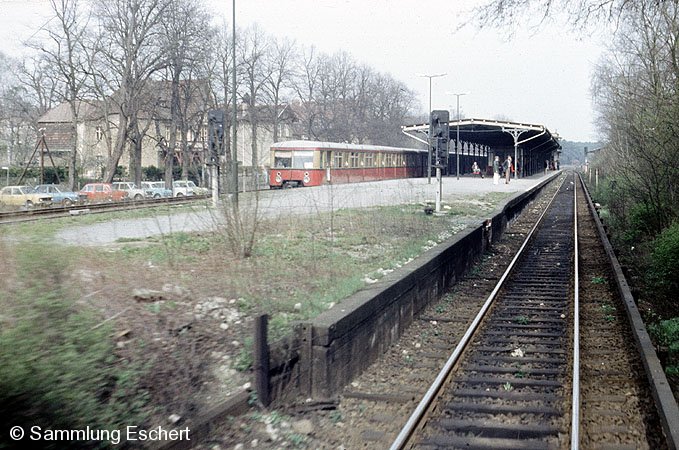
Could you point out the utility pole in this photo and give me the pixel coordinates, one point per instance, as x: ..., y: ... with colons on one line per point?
x: 436, y: 75
x: 457, y: 138
x: 234, y: 105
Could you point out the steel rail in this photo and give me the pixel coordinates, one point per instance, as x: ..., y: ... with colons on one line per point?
x: 66, y: 211
x: 575, y: 400
x: 415, y: 418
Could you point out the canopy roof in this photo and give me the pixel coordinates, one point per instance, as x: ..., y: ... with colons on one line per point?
x: 496, y: 134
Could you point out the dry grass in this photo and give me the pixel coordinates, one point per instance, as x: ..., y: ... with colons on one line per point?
x: 193, y: 330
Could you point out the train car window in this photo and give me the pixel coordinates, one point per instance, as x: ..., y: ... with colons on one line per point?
x: 369, y: 160
x: 338, y: 159
x: 282, y: 159
x: 353, y: 159
x: 303, y: 160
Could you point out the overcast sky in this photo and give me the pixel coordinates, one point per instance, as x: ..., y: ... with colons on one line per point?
x: 538, y: 77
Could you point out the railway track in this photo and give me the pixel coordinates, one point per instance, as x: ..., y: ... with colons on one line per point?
x: 512, y: 384
x: 510, y: 389
x: 56, y: 212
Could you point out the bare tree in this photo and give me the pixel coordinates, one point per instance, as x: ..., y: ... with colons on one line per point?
x: 279, y: 61
x: 186, y: 28
x: 580, y: 13
x: 64, y: 52
x: 636, y: 90
x: 130, y: 52
x: 253, y: 49
x: 306, y: 86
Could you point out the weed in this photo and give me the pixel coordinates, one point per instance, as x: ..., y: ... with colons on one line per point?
x: 522, y: 320
x: 598, y: 280
x: 608, y: 309
x: 336, y: 416
x: 297, y: 440
x: 154, y: 307
x: 520, y: 374
x: 275, y: 418
x: 244, y: 359
x: 507, y: 386
x: 440, y: 309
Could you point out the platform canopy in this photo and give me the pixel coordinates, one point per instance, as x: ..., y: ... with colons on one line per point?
x: 496, y: 134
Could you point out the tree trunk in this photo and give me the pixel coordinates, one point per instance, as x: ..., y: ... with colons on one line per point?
x: 118, y: 150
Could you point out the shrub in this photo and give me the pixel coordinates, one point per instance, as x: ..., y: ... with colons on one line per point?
x: 57, y: 371
x: 642, y: 224
x: 666, y: 334
x: 58, y: 367
x: 662, y: 275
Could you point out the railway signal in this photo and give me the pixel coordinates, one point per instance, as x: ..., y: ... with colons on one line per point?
x: 215, y: 120
x: 215, y: 125
x: 439, y: 136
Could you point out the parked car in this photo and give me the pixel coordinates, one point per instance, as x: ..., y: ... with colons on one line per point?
x: 183, y: 187
x: 23, y: 196
x: 156, y: 188
x: 133, y: 192
x: 60, y: 196
x: 102, y: 192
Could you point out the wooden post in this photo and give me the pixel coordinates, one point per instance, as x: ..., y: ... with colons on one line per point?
x: 261, y: 360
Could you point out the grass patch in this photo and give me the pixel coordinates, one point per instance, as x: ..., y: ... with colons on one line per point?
x: 60, y: 359
x: 58, y: 365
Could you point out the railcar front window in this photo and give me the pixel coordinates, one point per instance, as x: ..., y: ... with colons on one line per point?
x: 282, y: 160
x: 303, y: 160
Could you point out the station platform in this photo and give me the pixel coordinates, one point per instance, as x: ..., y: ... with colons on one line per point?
x: 282, y: 204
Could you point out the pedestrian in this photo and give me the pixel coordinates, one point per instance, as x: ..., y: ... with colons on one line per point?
x: 475, y: 169
x: 508, y: 169
x: 546, y: 166
x: 496, y: 170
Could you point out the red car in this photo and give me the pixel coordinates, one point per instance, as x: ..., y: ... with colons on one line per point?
x: 102, y: 192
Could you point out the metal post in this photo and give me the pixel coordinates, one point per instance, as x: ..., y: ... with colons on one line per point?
x: 457, y: 134
x: 457, y: 137
x: 516, y: 155
x: 234, y: 159
x: 214, y: 183
x: 430, y: 142
x: 261, y: 360
x: 439, y: 188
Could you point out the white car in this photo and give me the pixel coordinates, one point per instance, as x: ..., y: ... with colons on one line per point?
x: 133, y: 192
x: 181, y: 188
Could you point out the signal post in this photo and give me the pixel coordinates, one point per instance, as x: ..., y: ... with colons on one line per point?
x: 438, y: 141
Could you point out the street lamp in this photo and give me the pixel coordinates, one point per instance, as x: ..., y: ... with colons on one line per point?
x: 457, y: 139
x: 430, y: 76
x: 7, y: 169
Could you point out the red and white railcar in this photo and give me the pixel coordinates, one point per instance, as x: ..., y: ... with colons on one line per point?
x: 313, y: 163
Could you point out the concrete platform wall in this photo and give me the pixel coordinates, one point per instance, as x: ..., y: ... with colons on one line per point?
x: 335, y: 347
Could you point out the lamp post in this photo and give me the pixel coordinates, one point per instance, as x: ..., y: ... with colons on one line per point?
x: 457, y: 138
x: 430, y: 76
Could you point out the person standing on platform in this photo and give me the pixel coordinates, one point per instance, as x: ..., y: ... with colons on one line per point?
x: 508, y: 169
x: 496, y: 170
